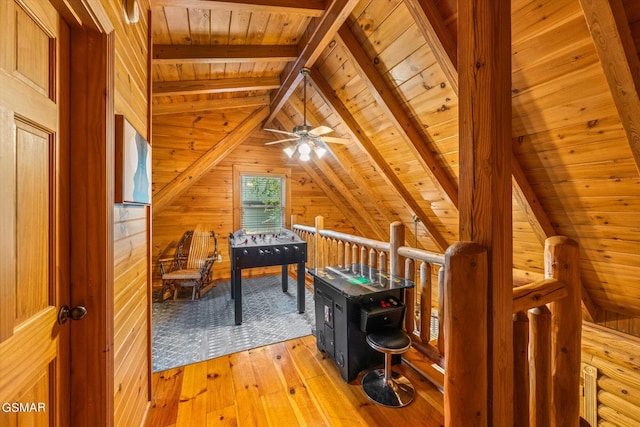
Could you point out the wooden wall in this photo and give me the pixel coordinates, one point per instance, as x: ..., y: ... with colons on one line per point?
x: 210, y: 200
x: 131, y: 238
x: 616, y: 395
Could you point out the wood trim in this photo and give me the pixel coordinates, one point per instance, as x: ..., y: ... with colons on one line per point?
x: 609, y: 27
x: 193, y: 87
x: 319, y: 33
x: 7, y: 222
x: 186, y: 107
x: 440, y: 40
x: 88, y: 15
x: 149, y: 220
x: 485, y: 121
x: 92, y: 192
x: 241, y: 169
x: 217, y: 54
x: 208, y: 160
x: 363, y: 141
x: 420, y: 143
x: 307, y: 7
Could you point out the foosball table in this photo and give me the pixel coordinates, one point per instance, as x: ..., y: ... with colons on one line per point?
x: 265, y: 250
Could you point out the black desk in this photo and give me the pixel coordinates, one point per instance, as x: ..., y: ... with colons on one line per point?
x: 343, y: 299
x: 265, y: 250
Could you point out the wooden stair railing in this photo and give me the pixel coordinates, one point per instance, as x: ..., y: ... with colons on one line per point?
x: 546, y: 315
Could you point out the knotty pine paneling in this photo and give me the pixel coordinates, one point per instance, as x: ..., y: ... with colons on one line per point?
x: 210, y: 201
x: 131, y: 245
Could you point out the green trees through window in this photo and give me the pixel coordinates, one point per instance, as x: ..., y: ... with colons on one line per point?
x: 263, y: 202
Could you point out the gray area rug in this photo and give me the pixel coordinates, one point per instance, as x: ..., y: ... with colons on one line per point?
x: 193, y: 331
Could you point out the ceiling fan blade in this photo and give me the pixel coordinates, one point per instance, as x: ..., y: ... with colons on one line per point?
x: 281, y: 131
x: 320, y: 130
x: 336, y: 140
x: 281, y: 140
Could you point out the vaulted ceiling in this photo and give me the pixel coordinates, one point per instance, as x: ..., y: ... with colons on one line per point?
x: 384, y: 75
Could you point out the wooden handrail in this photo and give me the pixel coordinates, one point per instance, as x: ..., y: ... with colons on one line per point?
x: 362, y: 241
x: 306, y: 228
x: 421, y: 255
x: 538, y: 293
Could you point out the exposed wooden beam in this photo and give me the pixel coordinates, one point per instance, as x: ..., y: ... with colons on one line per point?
x: 194, y: 87
x: 529, y: 203
x: 443, y: 45
x: 616, y: 49
x: 484, y: 41
x: 352, y: 215
x: 338, y: 107
x: 352, y: 199
x: 217, y: 54
x: 319, y: 33
x: 340, y: 156
x: 184, y: 107
x: 420, y: 142
x: 208, y: 160
x: 306, y: 7
x: 441, y: 41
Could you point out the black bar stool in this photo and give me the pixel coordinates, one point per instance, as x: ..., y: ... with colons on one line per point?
x: 384, y: 386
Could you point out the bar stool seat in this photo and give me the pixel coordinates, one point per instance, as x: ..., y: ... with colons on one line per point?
x: 384, y: 386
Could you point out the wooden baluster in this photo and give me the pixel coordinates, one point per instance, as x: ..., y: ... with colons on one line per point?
x: 562, y: 262
x: 326, y: 249
x: 425, y: 302
x: 396, y: 240
x: 363, y: 255
x: 382, y: 261
x: 520, y: 370
x: 440, y: 299
x: 372, y: 258
x: 354, y: 254
x: 466, y: 381
x: 341, y: 253
x: 311, y: 247
x: 409, y: 272
x: 540, y: 368
x: 318, y: 243
x: 410, y: 301
x: 347, y: 255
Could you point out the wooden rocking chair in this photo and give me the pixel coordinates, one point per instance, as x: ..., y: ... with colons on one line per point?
x: 191, y: 265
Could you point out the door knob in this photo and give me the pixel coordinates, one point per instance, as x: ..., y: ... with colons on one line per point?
x: 76, y: 313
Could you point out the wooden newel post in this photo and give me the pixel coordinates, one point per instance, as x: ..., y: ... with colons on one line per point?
x: 466, y: 335
x: 396, y: 239
x: 318, y: 246
x: 562, y: 262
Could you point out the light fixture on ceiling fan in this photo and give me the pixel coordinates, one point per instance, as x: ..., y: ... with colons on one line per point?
x: 307, y: 139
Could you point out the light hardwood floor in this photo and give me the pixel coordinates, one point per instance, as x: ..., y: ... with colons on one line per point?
x: 285, y: 384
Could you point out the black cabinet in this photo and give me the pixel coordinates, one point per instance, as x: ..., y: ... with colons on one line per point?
x: 343, y: 298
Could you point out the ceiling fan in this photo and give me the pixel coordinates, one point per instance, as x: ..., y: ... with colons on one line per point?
x: 305, y: 137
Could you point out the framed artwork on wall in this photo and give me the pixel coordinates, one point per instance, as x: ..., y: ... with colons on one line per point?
x: 133, y: 165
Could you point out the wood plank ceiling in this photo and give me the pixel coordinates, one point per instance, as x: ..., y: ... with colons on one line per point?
x: 384, y: 74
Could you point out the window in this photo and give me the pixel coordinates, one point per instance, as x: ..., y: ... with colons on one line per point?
x: 261, y: 199
x: 263, y: 203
